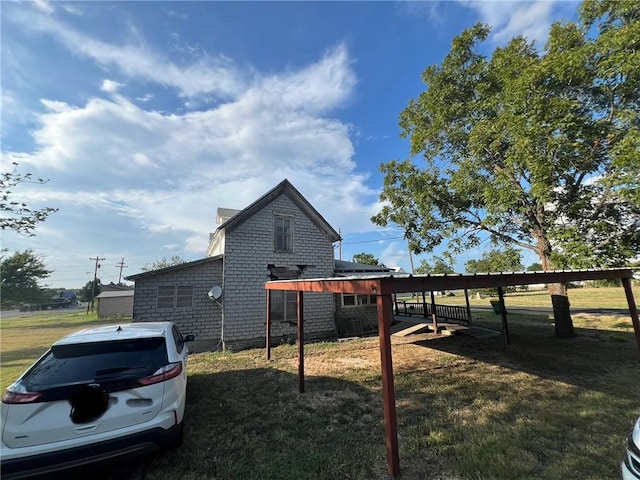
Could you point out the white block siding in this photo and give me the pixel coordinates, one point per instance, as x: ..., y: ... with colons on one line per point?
x: 203, y: 319
x: 249, y: 248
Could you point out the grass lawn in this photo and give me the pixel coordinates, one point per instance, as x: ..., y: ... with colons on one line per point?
x: 470, y: 409
x: 590, y: 297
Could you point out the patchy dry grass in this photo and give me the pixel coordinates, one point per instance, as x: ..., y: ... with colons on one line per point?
x: 540, y: 408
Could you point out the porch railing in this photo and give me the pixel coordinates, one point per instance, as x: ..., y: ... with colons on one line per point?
x: 444, y: 312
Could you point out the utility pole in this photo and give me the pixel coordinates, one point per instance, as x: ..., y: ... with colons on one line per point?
x: 95, y: 280
x: 340, y: 244
x: 411, y: 262
x: 121, y: 265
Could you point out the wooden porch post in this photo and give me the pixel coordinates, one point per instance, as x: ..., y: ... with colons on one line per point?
x: 434, y: 316
x: 466, y: 298
x: 424, y: 305
x: 503, y: 313
x: 388, y: 389
x: 300, y: 344
x: 268, y: 329
x: 633, y: 310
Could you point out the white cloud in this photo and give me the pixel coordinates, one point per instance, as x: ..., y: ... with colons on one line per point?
x: 531, y: 20
x: 149, y: 180
x: 72, y: 9
x: 209, y: 75
x: 43, y: 6
x: 12, y: 110
x: 167, y: 173
x: 396, y: 254
x: 110, y: 86
x: 145, y: 98
x: 509, y: 19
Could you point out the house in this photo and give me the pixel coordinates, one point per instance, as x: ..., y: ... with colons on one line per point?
x: 221, y: 299
x: 115, y: 303
x: 356, y: 314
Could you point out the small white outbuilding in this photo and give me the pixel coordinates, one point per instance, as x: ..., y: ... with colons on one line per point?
x: 115, y: 304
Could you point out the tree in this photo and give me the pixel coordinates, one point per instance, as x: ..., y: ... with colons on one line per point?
x: 507, y: 260
x: 534, y: 267
x: 17, y: 215
x: 440, y: 266
x: 164, y: 263
x: 88, y: 293
x: 530, y: 148
x: 366, y: 259
x: 19, y: 277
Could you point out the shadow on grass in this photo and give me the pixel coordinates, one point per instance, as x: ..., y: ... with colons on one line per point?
x: 254, y: 424
x: 604, y: 360
x: 538, y: 408
x: 76, y: 323
x: 14, y: 358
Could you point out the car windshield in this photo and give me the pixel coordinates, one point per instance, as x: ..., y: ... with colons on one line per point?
x: 88, y: 362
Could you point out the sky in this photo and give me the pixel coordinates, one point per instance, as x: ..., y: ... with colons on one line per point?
x: 145, y: 117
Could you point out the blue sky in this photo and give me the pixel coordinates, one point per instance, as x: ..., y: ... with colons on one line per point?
x: 148, y: 116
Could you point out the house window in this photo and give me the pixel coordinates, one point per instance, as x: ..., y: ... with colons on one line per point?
x: 284, y: 306
x: 175, y: 297
x: 283, y: 233
x: 353, y: 300
x: 184, y: 297
x: 165, y: 297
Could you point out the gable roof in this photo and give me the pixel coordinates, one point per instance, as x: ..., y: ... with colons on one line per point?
x: 114, y: 294
x: 285, y: 187
x: 173, y: 268
x: 343, y: 267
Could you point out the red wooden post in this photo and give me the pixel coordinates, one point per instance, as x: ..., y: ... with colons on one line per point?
x: 388, y: 389
x: 633, y: 310
x: 268, y: 332
x: 300, y: 344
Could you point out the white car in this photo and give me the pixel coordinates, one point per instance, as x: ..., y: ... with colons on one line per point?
x: 631, y: 463
x: 97, y: 394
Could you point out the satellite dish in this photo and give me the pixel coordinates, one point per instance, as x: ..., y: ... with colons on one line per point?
x: 215, y: 293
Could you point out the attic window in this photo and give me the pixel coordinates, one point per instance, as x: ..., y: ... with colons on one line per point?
x: 283, y: 233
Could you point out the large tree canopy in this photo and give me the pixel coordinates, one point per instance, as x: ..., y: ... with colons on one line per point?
x: 440, y: 266
x: 538, y: 149
x: 507, y: 260
x: 20, y: 275
x: 366, y: 259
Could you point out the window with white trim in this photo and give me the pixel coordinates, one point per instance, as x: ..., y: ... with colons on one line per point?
x: 283, y: 233
x: 174, y: 297
x: 284, y: 306
x: 356, y: 300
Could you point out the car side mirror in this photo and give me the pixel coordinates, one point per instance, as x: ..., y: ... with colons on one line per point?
x: 190, y: 338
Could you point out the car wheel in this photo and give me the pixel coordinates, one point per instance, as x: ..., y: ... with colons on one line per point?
x: 177, y: 441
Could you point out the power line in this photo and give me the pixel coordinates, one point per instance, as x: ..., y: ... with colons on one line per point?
x: 372, y: 241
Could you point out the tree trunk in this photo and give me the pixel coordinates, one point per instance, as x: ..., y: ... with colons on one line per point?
x: 561, y: 312
x: 558, y: 292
